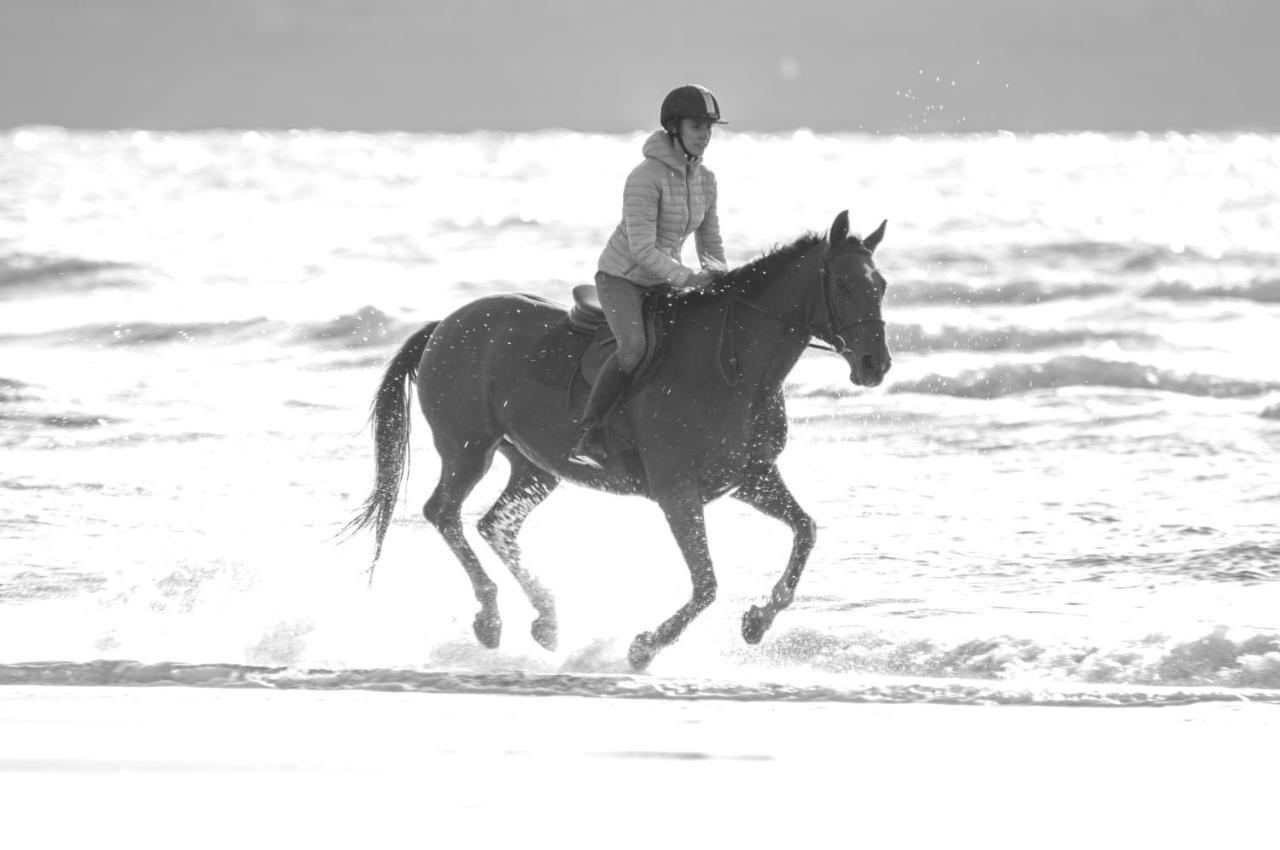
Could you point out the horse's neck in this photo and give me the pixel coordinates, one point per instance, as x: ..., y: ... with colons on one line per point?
x: 789, y: 292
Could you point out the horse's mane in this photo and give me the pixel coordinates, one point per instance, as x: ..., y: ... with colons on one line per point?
x: 743, y: 279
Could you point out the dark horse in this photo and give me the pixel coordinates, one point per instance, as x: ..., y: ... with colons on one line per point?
x: 708, y: 419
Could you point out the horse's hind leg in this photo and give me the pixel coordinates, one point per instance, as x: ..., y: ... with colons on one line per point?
x: 769, y: 494
x: 526, y: 489
x: 459, y: 473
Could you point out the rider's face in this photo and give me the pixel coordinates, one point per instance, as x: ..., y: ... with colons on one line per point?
x: 696, y: 135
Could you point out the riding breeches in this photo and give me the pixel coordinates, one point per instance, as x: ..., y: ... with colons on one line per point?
x: 623, y: 303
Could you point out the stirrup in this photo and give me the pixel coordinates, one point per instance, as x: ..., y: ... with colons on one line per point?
x: 590, y: 450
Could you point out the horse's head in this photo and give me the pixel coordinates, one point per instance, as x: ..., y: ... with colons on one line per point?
x: 851, y: 292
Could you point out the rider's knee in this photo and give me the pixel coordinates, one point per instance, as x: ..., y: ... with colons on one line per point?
x: 629, y: 356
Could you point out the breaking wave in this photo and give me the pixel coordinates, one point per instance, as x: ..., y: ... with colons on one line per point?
x: 1079, y: 371
x: 368, y: 326
x: 1257, y: 663
x: 1217, y: 659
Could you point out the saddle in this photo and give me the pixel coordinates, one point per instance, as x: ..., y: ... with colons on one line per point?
x: 587, y: 317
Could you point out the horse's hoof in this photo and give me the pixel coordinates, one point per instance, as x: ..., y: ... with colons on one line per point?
x: 642, y: 651
x: 546, y: 632
x: 488, y: 630
x: 754, y: 624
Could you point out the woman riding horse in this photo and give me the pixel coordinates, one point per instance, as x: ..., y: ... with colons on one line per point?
x: 667, y: 197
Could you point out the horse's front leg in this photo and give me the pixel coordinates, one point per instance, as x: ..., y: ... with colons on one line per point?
x: 768, y: 493
x: 684, y: 515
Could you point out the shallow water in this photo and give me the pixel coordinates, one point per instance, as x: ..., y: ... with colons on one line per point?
x: 1068, y: 482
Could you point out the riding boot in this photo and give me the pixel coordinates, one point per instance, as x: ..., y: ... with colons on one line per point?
x: 590, y: 449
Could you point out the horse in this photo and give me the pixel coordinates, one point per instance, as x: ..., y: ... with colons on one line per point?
x: 708, y: 419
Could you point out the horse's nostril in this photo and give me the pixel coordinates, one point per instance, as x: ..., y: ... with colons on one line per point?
x: 868, y: 362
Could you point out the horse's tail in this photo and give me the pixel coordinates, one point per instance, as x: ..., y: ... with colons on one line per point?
x: 390, y: 418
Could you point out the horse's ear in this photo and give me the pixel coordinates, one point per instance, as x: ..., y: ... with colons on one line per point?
x: 840, y: 229
x: 874, y: 239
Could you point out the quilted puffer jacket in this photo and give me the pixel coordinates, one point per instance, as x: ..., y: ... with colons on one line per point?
x: 666, y: 198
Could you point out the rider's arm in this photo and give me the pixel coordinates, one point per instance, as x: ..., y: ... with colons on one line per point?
x: 707, y: 237
x: 640, y: 219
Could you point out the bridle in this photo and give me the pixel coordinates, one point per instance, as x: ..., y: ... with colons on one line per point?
x: 832, y: 335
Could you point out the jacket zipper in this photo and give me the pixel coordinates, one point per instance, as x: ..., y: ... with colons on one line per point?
x: 688, y: 207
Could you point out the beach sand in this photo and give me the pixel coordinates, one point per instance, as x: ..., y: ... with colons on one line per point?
x: 186, y: 767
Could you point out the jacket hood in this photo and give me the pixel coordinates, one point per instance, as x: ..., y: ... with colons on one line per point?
x: 662, y: 147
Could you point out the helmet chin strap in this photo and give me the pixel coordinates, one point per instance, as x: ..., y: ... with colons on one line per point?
x: 678, y: 135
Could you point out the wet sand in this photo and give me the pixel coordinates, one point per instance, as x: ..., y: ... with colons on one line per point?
x: 180, y: 767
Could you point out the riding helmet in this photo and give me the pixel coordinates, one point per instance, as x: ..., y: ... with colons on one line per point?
x: 692, y: 101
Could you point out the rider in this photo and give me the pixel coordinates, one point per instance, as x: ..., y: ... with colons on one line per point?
x: 667, y: 197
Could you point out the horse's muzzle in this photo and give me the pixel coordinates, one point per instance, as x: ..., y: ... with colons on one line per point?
x: 869, y: 370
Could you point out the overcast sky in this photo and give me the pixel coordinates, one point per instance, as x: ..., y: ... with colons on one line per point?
x: 874, y: 65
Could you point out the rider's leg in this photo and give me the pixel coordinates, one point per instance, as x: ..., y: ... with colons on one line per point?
x: 622, y: 301
x: 610, y: 383
x: 623, y: 305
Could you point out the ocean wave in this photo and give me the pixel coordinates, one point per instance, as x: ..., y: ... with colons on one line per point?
x: 73, y: 421
x: 1216, y: 659
x: 368, y: 326
x: 486, y: 224
x: 916, y: 339
x: 113, y: 673
x: 1261, y: 291
x: 1085, y: 249
x: 12, y: 390
x: 1122, y: 257
x: 25, y: 270
x: 1016, y: 292
x: 1153, y: 257
x: 145, y: 332
x: 41, y: 584
x: 1272, y: 412
x: 1249, y: 562
x: 1079, y: 371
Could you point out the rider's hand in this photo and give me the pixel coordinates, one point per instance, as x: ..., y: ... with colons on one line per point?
x: 700, y: 279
